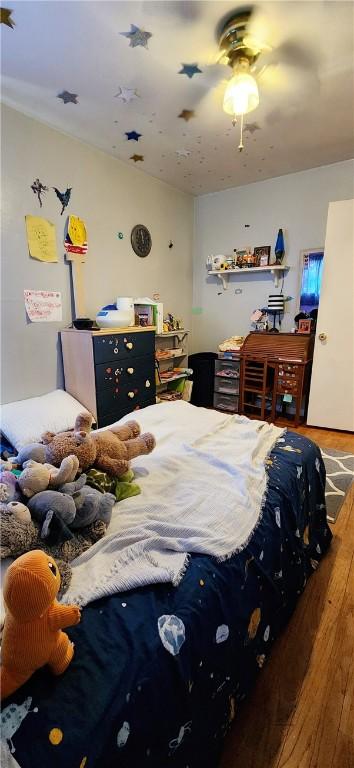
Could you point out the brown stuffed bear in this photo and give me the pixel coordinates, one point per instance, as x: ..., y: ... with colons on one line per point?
x: 109, y: 451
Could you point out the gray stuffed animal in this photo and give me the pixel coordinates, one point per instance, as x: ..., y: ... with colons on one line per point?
x: 92, y: 505
x: 77, y: 504
x: 19, y: 536
x: 61, y: 503
x: 34, y: 451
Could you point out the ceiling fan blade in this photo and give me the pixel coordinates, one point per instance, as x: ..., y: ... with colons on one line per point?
x: 182, y: 9
x: 287, y: 81
x: 291, y: 54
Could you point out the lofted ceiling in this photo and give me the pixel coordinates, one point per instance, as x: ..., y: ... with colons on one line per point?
x: 305, y: 116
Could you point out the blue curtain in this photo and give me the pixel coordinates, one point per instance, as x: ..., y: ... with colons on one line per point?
x: 311, y: 281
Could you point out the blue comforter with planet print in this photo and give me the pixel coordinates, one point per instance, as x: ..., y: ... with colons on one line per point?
x: 159, y: 672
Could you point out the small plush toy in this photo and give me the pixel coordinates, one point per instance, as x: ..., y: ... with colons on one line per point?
x: 37, y: 477
x: 8, y: 486
x: 32, y: 635
x: 122, y: 487
x: 110, y: 450
x: 19, y: 510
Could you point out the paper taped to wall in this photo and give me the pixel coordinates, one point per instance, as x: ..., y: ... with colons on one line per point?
x: 43, y: 306
x: 41, y: 239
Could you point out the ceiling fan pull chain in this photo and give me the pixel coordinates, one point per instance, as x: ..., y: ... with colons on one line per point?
x: 240, y: 146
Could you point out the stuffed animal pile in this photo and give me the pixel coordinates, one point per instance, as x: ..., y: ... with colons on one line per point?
x: 49, y: 502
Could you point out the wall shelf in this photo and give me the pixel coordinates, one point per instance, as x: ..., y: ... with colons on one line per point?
x: 172, y: 378
x: 180, y: 332
x: 274, y: 269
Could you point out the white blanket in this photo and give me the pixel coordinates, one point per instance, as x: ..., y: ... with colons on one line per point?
x: 202, y: 491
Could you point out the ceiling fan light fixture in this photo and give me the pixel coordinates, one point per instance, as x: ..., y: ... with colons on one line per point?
x: 241, y: 94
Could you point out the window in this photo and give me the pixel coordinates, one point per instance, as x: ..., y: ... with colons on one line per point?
x: 311, y: 277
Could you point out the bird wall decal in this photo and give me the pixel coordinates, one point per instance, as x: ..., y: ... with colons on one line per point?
x: 64, y: 197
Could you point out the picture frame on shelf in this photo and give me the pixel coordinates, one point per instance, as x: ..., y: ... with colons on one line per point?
x: 241, y: 258
x: 262, y: 255
x: 305, y: 326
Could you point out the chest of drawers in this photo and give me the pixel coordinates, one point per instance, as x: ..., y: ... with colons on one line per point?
x: 110, y: 372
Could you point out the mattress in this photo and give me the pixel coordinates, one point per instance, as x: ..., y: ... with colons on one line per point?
x: 160, y: 672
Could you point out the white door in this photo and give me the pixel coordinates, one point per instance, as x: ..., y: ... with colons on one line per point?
x: 331, y: 401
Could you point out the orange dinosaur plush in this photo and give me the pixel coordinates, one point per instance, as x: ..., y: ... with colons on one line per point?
x: 34, y: 619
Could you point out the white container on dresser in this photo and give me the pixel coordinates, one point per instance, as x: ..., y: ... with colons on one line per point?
x: 227, y: 382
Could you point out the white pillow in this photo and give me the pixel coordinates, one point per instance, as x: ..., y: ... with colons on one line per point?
x: 24, y: 421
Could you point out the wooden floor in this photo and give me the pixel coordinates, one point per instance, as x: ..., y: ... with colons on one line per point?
x: 301, y: 712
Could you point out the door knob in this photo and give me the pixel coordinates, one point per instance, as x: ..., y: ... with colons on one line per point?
x: 322, y: 336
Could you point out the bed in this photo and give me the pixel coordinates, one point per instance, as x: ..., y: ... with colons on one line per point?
x: 160, y: 670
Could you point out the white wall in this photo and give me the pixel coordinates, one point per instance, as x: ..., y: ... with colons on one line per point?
x: 297, y: 202
x: 111, y: 197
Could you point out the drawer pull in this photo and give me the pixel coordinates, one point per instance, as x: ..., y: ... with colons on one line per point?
x: 130, y: 370
x: 131, y: 395
x: 116, y: 350
x: 129, y: 345
x: 147, y: 383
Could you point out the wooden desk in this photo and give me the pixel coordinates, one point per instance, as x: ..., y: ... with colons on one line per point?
x: 275, y: 365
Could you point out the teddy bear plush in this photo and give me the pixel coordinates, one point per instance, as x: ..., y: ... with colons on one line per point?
x: 36, y: 477
x: 110, y: 450
x: 34, y: 620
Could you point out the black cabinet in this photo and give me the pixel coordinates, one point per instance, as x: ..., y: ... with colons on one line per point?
x: 110, y: 373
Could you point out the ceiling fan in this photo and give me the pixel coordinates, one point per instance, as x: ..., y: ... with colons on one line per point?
x: 243, y: 45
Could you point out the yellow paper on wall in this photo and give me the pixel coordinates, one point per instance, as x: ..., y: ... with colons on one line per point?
x: 41, y: 239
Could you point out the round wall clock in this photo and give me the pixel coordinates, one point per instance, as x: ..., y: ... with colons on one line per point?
x: 141, y: 240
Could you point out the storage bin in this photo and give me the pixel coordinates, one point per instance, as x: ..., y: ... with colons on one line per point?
x: 227, y: 386
x: 228, y: 403
x: 227, y: 368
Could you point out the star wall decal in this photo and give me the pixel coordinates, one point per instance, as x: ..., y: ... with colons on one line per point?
x: 186, y: 114
x: 5, y: 17
x: 133, y: 135
x: 183, y: 152
x: 68, y: 98
x: 251, y: 127
x: 127, y: 94
x: 137, y: 36
x: 137, y: 158
x: 189, y: 70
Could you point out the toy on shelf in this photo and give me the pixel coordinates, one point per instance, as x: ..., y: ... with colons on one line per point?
x: 171, y: 323
x: 32, y: 634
